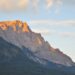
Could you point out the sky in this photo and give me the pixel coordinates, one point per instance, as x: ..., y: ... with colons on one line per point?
x: 54, y: 19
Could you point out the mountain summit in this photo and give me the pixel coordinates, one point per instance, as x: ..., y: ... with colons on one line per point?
x: 20, y: 35
x: 15, y: 25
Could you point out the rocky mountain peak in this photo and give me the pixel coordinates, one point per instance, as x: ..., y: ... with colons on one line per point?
x: 33, y: 41
x: 16, y: 25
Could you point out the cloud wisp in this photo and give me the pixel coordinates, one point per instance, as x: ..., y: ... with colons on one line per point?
x: 54, y: 32
x: 42, y: 31
x: 67, y: 34
x: 49, y: 4
x: 21, y: 5
x: 35, y: 5
x: 53, y: 22
x: 54, y: 4
x: 12, y: 5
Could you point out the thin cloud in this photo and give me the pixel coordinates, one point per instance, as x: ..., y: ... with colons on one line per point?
x: 5, y: 5
x: 57, y: 23
x: 23, y: 4
x: 67, y: 34
x: 35, y: 4
x: 58, y: 6
x: 42, y: 31
x: 69, y: 2
x: 54, y: 32
x: 14, y: 5
x: 49, y: 4
x: 54, y: 4
x: 53, y: 22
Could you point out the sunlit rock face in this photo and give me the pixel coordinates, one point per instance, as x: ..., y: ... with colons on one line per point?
x: 19, y: 34
x: 16, y: 25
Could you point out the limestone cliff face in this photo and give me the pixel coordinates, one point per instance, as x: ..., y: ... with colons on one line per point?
x: 19, y: 34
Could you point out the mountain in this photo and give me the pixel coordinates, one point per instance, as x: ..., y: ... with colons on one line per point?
x: 23, y: 51
x: 19, y: 34
x: 15, y: 61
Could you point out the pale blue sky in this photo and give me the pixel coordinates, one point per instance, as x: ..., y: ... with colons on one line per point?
x: 54, y: 19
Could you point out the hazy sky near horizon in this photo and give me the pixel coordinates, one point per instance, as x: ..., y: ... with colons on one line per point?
x: 54, y: 19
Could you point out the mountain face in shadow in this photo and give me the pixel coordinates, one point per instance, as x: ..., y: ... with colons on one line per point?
x: 15, y: 61
x: 24, y: 52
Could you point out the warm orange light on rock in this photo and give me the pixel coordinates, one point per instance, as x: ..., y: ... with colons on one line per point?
x: 13, y: 24
x: 25, y: 27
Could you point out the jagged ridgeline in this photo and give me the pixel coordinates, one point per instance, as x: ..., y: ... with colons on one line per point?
x: 24, y: 52
x: 16, y: 25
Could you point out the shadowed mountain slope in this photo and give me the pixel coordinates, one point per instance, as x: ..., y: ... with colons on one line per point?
x: 14, y: 61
